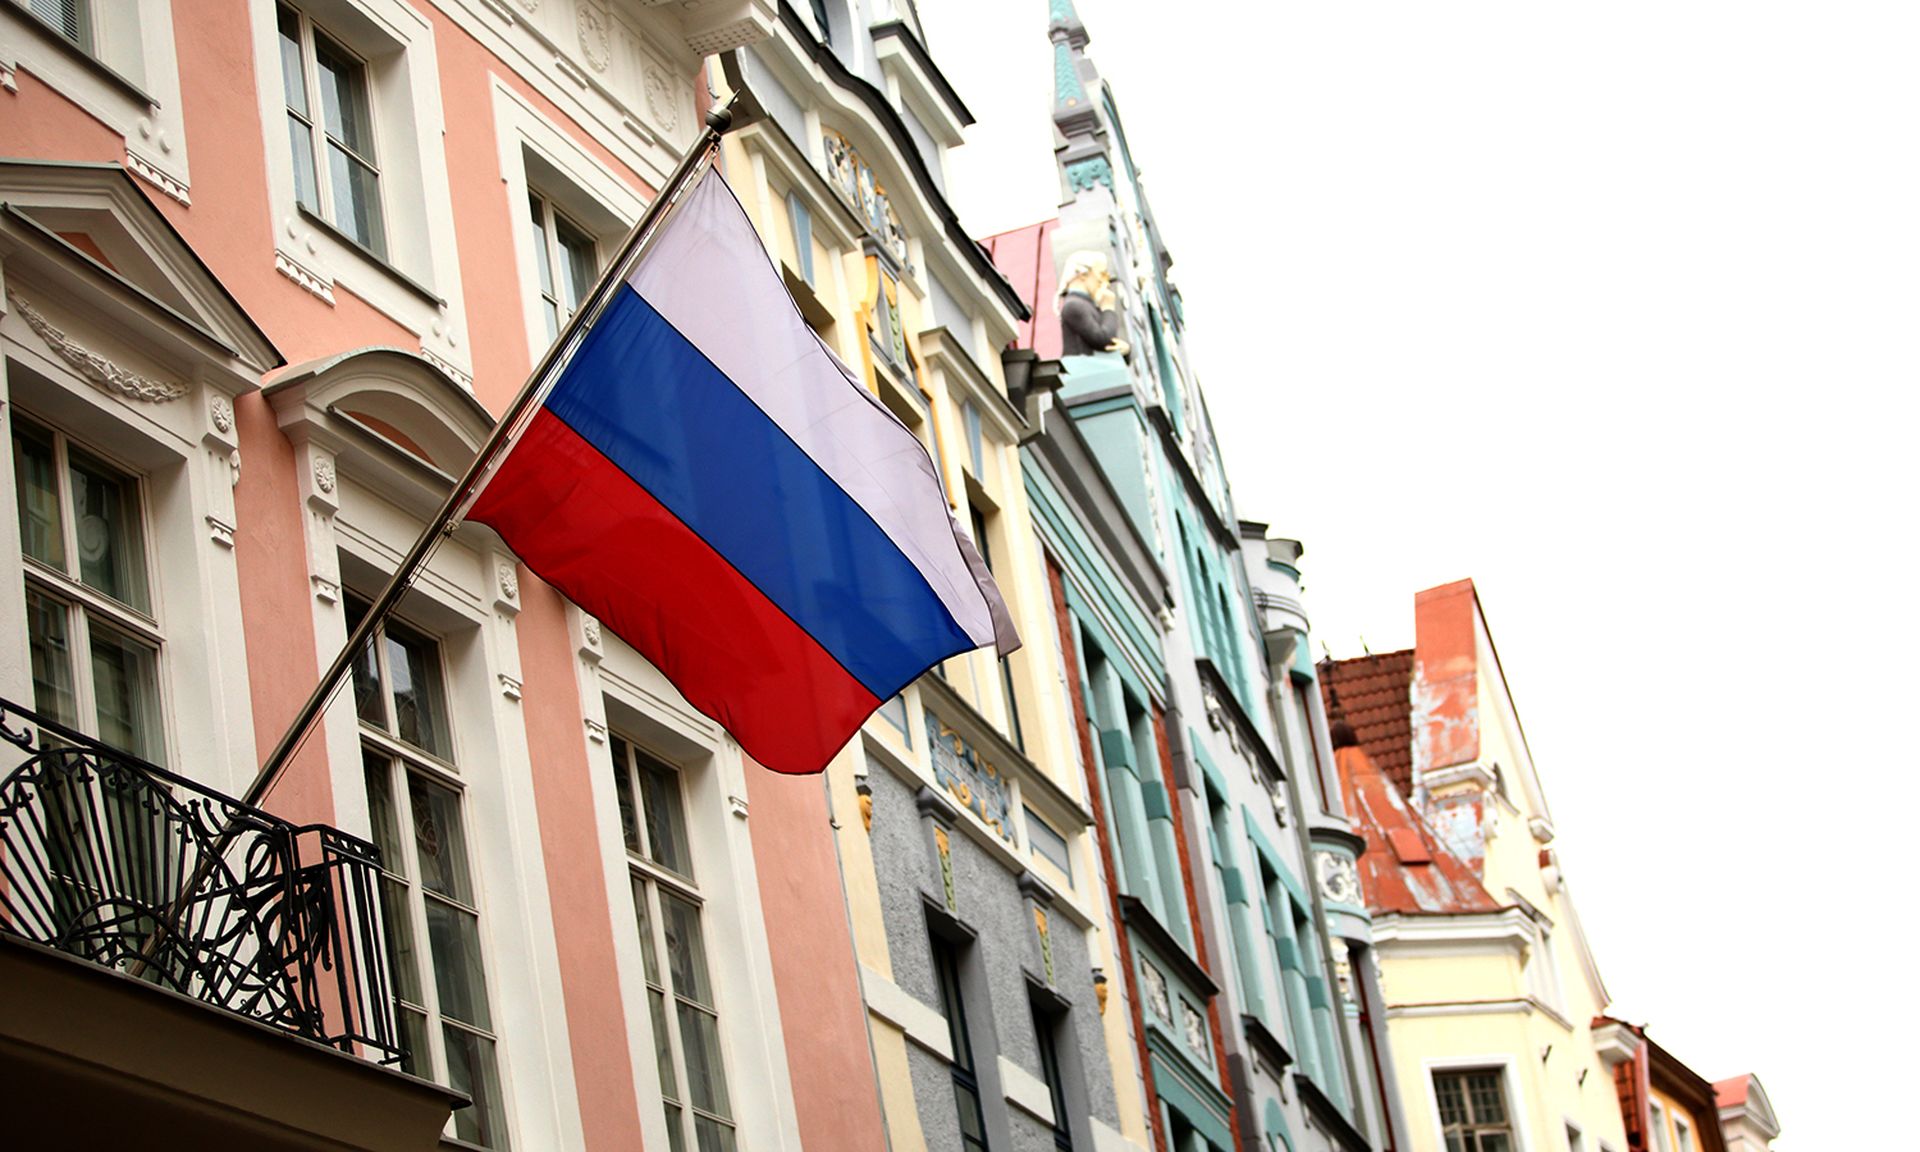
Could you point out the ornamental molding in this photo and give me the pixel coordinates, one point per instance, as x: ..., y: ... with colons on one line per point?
x: 305, y: 277
x: 97, y: 369
x: 146, y: 170
x: 324, y: 477
x: 509, y: 581
x: 661, y: 98
x: 222, y: 414
x: 595, y: 36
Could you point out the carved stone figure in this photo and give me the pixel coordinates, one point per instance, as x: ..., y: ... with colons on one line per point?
x: 1088, y: 322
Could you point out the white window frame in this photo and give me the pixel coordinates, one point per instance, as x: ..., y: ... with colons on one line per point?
x: 622, y: 690
x: 319, y: 137
x: 539, y: 159
x: 1682, y: 1134
x: 553, y: 219
x: 1657, y: 1120
x: 127, y: 78
x: 417, y: 282
x: 85, y: 607
x: 405, y: 760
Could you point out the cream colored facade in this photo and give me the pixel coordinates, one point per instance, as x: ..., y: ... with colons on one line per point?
x: 1509, y: 987
x: 855, y: 221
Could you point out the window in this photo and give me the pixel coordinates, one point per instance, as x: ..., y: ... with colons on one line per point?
x: 92, y: 640
x: 976, y: 445
x: 977, y: 517
x: 801, y: 221
x: 966, y: 1082
x: 889, y: 334
x: 1473, y: 1110
x: 334, y: 173
x: 1659, y: 1118
x: 1321, y: 782
x: 666, y: 905
x: 1049, y: 844
x: 1046, y: 1029
x: 1575, y: 1141
x: 1682, y: 1136
x: 427, y: 893
x: 564, y: 254
x: 72, y: 19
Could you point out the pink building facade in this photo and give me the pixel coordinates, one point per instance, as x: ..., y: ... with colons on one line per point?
x: 269, y: 268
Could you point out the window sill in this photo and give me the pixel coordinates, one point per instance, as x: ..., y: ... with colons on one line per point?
x: 414, y: 287
x: 46, y: 35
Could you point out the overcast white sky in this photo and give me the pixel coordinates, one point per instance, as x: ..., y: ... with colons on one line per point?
x: 1611, y: 308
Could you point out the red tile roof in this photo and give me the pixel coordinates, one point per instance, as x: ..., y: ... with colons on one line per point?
x: 1405, y: 867
x: 1374, y: 695
x: 1025, y: 257
x: 1731, y: 1093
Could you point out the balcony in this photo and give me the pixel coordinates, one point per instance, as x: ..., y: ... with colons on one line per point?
x: 175, y: 962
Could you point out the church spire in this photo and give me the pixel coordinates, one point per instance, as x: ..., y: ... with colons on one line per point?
x: 1076, y: 115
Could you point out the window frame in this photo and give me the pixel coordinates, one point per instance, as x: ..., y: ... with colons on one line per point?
x: 320, y: 136
x: 548, y: 246
x: 1471, y: 1128
x: 652, y: 881
x: 402, y: 762
x: 83, y: 606
x: 963, y: 1069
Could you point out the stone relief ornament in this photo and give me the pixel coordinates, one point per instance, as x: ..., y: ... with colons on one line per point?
x: 1195, y: 1026
x: 1157, y: 1000
x: 595, y: 36
x: 590, y: 628
x: 97, y: 369
x: 324, y: 477
x: 222, y: 414
x: 661, y: 99
x: 1339, y: 882
x: 509, y: 582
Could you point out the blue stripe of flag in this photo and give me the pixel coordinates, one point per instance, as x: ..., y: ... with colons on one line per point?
x: 666, y: 416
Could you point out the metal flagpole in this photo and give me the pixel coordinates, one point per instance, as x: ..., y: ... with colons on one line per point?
x: 719, y: 120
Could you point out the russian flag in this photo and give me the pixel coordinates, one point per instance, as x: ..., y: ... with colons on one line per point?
x: 708, y: 480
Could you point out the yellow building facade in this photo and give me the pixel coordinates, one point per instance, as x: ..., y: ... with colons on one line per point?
x: 1491, y: 992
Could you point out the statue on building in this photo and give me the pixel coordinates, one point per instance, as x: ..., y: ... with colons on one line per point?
x: 1088, y: 321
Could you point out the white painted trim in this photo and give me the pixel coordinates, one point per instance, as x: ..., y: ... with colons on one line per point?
x: 893, y: 1004
x: 1507, y: 929
x: 1026, y: 1091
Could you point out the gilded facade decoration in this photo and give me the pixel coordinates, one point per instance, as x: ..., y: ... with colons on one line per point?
x: 969, y: 778
x: 857, y: 185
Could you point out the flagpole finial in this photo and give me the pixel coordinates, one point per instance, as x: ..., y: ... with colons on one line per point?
x: 720, y: 118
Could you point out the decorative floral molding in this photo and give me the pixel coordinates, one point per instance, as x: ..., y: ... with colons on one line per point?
x: 323, y: 475
x: 222, y: 415
x: 99, y: 370
x: 509, y: 582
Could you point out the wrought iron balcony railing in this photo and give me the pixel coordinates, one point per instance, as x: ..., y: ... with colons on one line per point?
x: 120, y: 862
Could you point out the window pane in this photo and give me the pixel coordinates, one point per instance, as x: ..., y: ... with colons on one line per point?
x: 663, y: 1045
x: 52, y: 659
x: 471, y: 1069
x: 126, y: 693
x: 439, y: 839
x: 403, y: 957
x: 706, y: 1077
x: 542, y: 258
x: 38, y: 492
x: 676, y: 1139
x: 67, y: 17
x: 553, y: 320
x: 413, y: 1034
x: 686, y: 950
x: 1495, y: 1142
x: 1453, y: 1109
x: 106, y: 514
x: 306, y: 183
x: 577, y: 263
x: 384, y: 818
x: 1489, y: 1104
x: 368, y: 700
x: 646, y: 932
x: 623, y: 793
x: 292, y: 76
x: 419, y: 698
x: 356, y: 200
x: 712, y: 1136
x: 343, y: 96
x: 666, y: 825
x: 456, y: 963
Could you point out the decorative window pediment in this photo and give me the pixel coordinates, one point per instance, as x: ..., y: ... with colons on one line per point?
x: 384, y: 413
x: 858, y: 186
x: 87, y: 232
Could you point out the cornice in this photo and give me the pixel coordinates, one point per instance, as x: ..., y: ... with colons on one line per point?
x: 1144, y: 924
